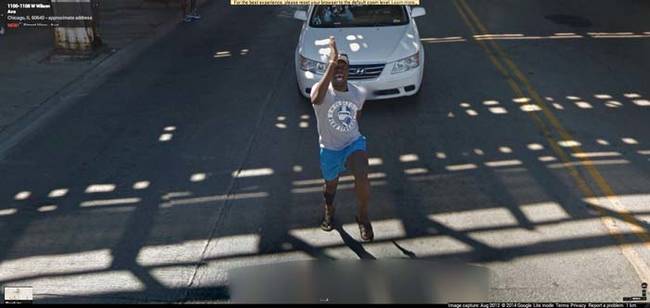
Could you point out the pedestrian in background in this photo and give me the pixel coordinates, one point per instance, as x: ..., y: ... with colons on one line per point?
x: 190, y: 11
x: 3, y: 16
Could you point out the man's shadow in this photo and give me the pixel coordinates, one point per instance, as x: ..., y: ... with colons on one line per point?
x: 353, y: 244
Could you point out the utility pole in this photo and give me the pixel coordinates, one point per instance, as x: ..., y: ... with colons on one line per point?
x: 77, y: 33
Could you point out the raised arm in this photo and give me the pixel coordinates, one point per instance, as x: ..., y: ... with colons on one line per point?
x: 363, y: 94
x: 320, y: 88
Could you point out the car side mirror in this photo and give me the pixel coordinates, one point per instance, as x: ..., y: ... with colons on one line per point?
x: 418, y: 11
x: 300, y: 15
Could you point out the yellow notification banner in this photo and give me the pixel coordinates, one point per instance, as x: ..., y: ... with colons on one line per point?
x: 325, y: 2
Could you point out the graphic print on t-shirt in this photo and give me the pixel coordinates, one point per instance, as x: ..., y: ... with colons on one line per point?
x: 342, y: 115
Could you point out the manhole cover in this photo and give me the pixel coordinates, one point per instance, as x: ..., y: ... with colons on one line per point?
x: 569, y: 20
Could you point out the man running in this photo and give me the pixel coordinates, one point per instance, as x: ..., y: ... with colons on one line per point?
x: 337, y: 105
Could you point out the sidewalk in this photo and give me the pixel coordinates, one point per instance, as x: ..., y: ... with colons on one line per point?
x: 28, y: 81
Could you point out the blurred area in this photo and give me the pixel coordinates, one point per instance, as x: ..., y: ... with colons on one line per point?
x: 390, y: 281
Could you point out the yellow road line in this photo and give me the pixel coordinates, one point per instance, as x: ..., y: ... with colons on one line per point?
x: 496, y: 56
x: 593, y: 171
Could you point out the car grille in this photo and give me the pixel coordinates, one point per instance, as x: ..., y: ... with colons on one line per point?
x: 386, y: 92
x: 366, y: 71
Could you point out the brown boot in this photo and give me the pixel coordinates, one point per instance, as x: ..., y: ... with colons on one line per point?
x: 327, y: 224
x: 365, y: 230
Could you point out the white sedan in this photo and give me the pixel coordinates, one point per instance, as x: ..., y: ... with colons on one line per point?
x: 382, y: 43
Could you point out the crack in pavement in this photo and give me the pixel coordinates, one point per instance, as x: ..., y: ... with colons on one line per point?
x: 233, y: 184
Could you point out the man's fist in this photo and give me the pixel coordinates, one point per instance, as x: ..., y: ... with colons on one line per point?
x: 334, y: 53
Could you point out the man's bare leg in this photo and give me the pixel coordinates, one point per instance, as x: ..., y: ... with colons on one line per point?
x: 184, y: 4
x: 329, y: 192
x: 194, y: 12
x: 358, y: 163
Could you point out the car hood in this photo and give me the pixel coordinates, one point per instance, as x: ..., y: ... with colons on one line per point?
x: 363, y: 45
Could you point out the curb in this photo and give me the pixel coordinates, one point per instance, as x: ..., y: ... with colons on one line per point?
x: 81, y: 85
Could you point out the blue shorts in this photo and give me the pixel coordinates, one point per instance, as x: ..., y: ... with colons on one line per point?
x: 332, y: 163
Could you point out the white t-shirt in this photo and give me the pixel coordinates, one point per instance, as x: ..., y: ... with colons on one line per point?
x: 336, y: 116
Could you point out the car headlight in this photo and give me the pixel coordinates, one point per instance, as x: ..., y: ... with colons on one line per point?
x: 406, y: 64
x: 309, y: 65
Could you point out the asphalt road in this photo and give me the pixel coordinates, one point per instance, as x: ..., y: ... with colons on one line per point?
x: 527, y: 152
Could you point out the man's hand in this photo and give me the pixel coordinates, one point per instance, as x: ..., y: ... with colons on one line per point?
x: 334, y: 53
x: 320, y: 88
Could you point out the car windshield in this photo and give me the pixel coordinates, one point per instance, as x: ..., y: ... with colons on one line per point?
x: 343, y: 16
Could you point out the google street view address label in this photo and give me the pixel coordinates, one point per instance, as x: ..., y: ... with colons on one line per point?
x: 325, y: 2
